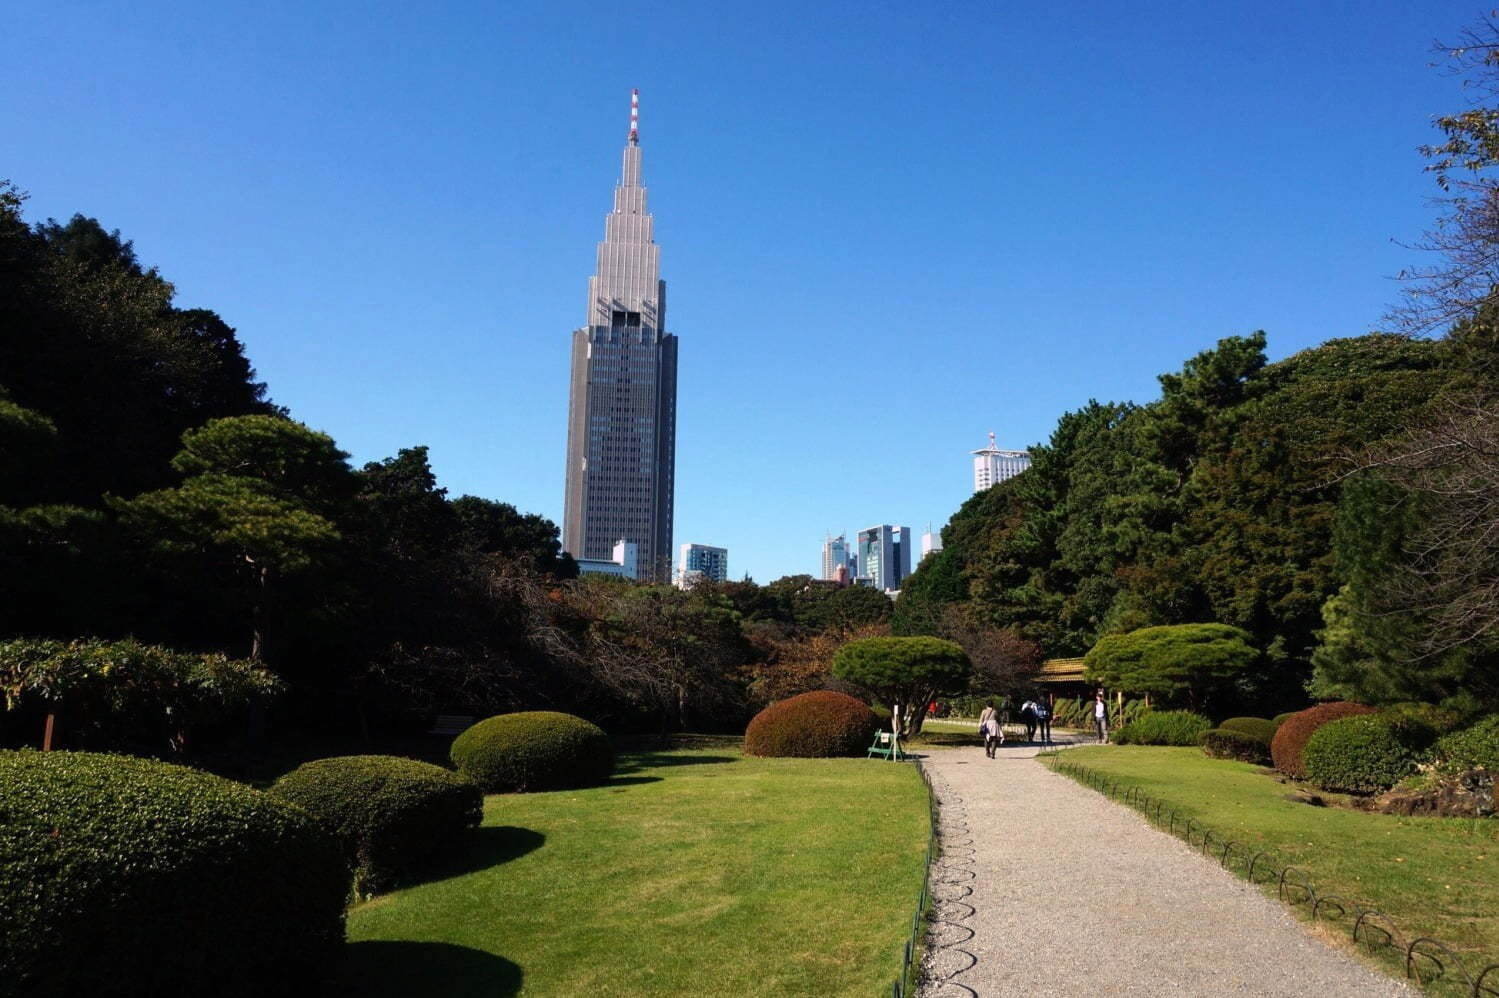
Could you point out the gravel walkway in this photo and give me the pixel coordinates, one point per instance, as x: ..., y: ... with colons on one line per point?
x: 1048, y: 888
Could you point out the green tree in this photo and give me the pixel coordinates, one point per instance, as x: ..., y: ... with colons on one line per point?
x: 1171, y: 661
x: 904, y: 672
x: 262, y: 496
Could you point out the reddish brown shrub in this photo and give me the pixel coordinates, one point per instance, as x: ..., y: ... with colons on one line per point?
x: 1290, y: 739
x: 813, y: 725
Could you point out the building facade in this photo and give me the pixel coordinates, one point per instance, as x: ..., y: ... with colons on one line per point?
x: 699, y: 562
x: 835, y: 556
x: 622, y: 561
x: 622, y: 408
x: 931, y: 542
x: 885, y: 556
x: 992, y: 465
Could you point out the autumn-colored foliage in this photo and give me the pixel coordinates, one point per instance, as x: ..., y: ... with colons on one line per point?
x: 1291, y: 737
x: 812, y: 725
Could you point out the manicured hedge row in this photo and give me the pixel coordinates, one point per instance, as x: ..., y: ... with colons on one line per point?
x: 1227, y: 743
x: 1291, y: 737
x: 1363, y: 754
x: 129, y: 878
x: 533, y: 750
x: 390, y: 815
x: 813, y: 725
x: 1476, y: 747
x: 1164, y: 727
x: 1255, y: 727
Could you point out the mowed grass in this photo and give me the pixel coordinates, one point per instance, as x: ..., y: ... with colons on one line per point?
x: 1435, y: 877
x: 691, y: 872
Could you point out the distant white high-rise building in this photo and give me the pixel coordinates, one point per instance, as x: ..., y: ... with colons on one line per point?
x: 698, y: 562
x: 885, y: 555
x: 992, y: 465
x: 835, y: 556
x: 625, y: 562
x: 931, y: 542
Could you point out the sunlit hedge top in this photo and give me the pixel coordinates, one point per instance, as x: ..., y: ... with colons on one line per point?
x: 886, y: 663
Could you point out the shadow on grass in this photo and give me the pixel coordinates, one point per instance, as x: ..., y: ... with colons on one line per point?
x: 628, y: 781
x: 635, y: 761
x: 486, y: 847
x: 376, y: 969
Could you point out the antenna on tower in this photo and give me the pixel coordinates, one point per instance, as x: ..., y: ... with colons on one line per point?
x: 992, y: 445
x: 634, y: 117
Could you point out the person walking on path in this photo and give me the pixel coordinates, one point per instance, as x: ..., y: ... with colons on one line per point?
x: 1043, y: 718
x: 994, y: 735
x: 1101, y: 718
x: 1028, y: 715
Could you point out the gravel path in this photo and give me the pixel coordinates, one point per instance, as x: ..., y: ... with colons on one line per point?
x: 1048, y: 888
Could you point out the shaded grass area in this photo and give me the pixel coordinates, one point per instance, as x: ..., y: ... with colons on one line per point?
x: 1435, y: 877
x: 690, y: 872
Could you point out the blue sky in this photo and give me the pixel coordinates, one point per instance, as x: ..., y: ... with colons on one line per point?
x: 887, y: 228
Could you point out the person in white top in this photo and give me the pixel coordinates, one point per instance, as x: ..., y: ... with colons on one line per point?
x: 1101, y: 718
x: 989, y: 727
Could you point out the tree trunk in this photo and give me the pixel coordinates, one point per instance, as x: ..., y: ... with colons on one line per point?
x: 50, y: 731
x: 257, y: 617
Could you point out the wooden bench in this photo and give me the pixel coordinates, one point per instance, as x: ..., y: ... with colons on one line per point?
x: 451, y: 724
x: 885, y: 746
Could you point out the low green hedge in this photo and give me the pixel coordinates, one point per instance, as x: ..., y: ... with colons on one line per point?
x: 1280, y: 719
x: 1475, y: 747
x: 1163, y: 727
x: 1362, y: 754
x: 813, y: 725
x: 533, y: 750
x: 389, y: 814
x: 130, y: 878
x: 1291, y: 737
x: 1228, y: 743
x: 1255, y: 727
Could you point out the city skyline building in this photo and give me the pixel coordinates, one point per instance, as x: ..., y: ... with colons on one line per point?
x: 622, y: 562
x: 931, y: 542
x: 699, y: 562
x: 622, y: 403
x: 835, y: 555
x: 991, y: 465
x: 884, y: 553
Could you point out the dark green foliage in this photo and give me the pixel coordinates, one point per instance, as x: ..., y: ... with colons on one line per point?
x: 1191, y: 660
x: 390, y: 815
x: 1475, y: 747
x: 533, y: 750
x: 124, y: 694
x: 137, y: 879
x: 1163, y: 727
x: 1359, y: 755
x: 1290, y: 739
x: 1254, y: 727
x: 908, y: 672
x: 1280, y: 719
x: 813, y: 725
x: 1229, y: 743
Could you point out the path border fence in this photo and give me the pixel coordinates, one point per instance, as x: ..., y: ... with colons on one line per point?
x: 1427, y: 960
x: 905, y: 985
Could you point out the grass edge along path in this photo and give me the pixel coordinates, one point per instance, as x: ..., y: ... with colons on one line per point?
x: 690, y: 871
x: 1372, y: 932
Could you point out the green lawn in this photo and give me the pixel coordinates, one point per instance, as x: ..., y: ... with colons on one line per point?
x: 691, y: 872
x: 1434, y: 877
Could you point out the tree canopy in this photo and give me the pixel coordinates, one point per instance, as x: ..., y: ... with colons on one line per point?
x: 1190, y: 661
x: 904, y: 672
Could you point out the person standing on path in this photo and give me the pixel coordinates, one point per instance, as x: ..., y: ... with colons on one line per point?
x: 1028, y: 715
x: 1043, y: 717
x: 1101, y: 718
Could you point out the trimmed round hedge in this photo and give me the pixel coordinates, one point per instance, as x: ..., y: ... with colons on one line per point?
x: 1164, y: 727
x: 1475, y: 747
x: 533, y: 750
x: 1255, y: 727
x: 1228, y: 743
x: 131, y: 878
x: 1291, y: 737
x: 389, y: 814
x: 812, y: 725
x: 1364, y: 754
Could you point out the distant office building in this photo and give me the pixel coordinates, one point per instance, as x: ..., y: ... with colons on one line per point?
x: 835, y: 556
x: 622, y: 410
x: 698, y: 562
x: 885, y: 555
x: 624, y: 563
x: 931, y: 542
x: 992, y: 465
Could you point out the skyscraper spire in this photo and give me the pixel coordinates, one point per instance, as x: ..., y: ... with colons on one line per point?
x: 634, y: 117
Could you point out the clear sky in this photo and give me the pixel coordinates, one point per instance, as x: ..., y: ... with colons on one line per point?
x: 886, y: 228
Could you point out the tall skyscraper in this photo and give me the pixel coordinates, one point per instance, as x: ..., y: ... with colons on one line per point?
x: 699, y: 562
x: 834, y: 556
x: 885, y: 555
x: 992, y: 465
x: 931, y: 542
x: 622, y: 411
